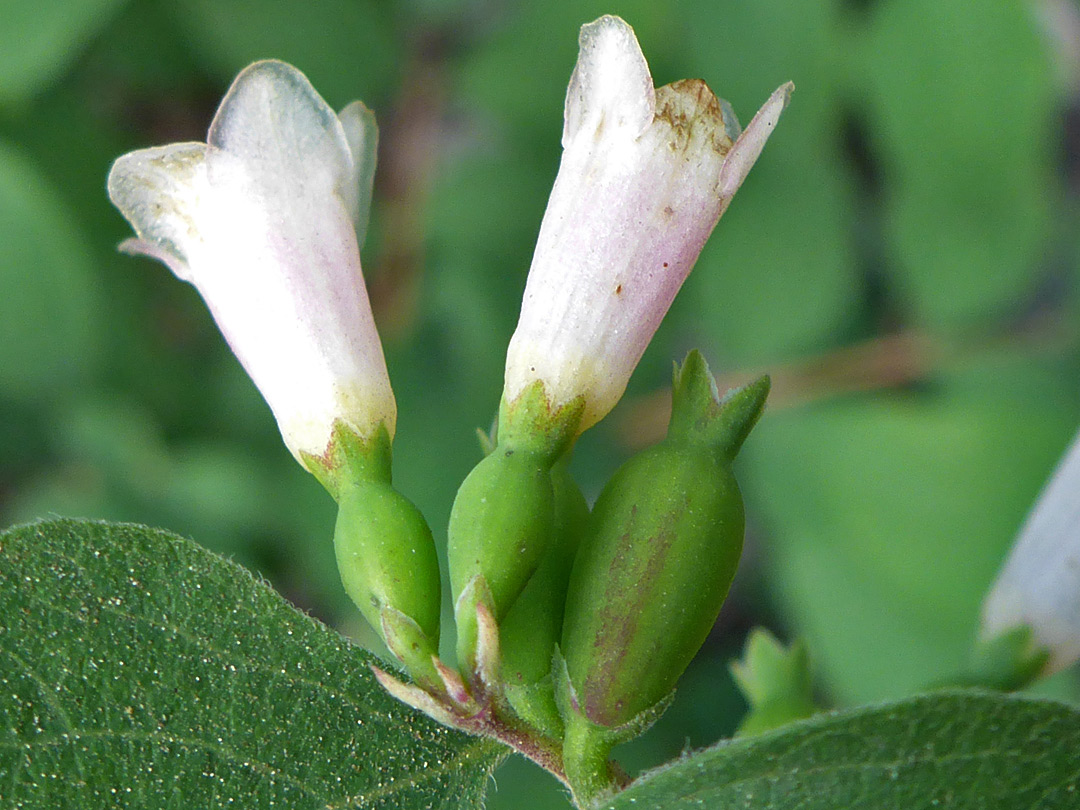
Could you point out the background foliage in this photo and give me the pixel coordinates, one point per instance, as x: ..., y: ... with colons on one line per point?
x: 903, y: 259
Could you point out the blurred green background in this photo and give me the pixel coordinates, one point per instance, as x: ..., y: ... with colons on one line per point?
x: 904, y: 259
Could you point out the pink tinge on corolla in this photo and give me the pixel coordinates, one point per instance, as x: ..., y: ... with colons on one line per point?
x: 265, y: 220
x: 1039, y: 585
x: 645, y: 175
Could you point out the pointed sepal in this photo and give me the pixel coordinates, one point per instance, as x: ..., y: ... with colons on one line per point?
x: 700, y: 416
x: 411, y: 646
x: 416, y: 697
x: 775, y: 680
x: 473, y: 630
x: 1008, y: 661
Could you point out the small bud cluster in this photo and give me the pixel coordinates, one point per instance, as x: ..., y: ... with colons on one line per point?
x: 573, y: 625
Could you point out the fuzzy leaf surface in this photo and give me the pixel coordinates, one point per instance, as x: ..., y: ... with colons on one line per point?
x: 139, y: 670
x: 955, y: 750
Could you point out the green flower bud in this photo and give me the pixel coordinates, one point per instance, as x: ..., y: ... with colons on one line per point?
x: 775, y: 680
x: 659, y: 554
x: 385, y: 552
x: 503, y: 516
x: 533, y: 625
x: 499, y: 528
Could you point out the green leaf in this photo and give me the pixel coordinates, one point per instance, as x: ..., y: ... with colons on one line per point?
x: 139, y: 670
x: 953, y: 750
x: 50, y: 330
x: 888, y: 517
x: 744, y: 51
x: 964, y: 113
x: 520, y: 72
x: 780, y: 275
x: 38, y: 38
x: 347, y: 48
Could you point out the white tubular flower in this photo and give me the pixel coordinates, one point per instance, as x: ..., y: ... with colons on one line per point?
x: 645, y: 175
x: 263, y: 220
x: 1039, y: 586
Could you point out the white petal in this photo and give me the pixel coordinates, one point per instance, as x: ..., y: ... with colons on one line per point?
x: 154, y: 250
x: 632, y: 206
x: 259, y: 226
x: 157, y: 191
x: 287, y: 137
x: 611, y: 86
x: 286, y: 289
x: 1039, y: 585
x: 748, y: 147
x: 362, y: 136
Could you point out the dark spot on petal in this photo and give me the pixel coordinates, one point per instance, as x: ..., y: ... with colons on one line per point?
x: 618, y: 289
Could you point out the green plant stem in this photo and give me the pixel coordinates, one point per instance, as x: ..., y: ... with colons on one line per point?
x: 585, y: 762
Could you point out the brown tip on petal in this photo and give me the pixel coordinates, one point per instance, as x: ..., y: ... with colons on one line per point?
x: 693, y: 112
x: 748, y: 147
